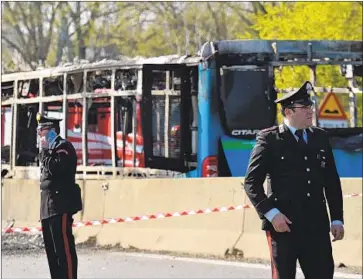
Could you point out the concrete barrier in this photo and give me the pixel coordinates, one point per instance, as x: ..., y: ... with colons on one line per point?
x: 211, y: 234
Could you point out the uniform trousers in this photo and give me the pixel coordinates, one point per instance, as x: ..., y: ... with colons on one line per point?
x: 60, y: 246
x: 313, y: 250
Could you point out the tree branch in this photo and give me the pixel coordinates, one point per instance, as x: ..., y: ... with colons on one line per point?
x: 24, y: 15
x: 17, y: 28
x: 73, y: 14
x: 259, y: 7
x: 106, y: 14
x: 216, y: 21
x: 25, y: 57
x: 244, y: 19
x: 40, y: 47
x: 50, y: 31
x: 33, y: 35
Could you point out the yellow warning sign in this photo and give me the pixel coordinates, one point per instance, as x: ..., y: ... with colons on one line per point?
x: 331, y: 108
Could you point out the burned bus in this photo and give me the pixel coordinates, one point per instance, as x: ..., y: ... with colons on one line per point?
x: 179, y: 116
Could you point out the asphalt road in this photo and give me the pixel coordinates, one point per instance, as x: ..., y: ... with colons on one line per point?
x: 111, y: 264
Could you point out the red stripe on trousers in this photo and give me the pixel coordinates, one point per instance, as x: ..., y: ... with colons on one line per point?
x: 66, y: 246
x: 273, y: 267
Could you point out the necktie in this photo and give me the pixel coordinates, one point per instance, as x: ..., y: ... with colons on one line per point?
x: 299, y: 134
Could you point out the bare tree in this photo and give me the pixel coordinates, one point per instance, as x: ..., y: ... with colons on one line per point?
x: 27, y: 27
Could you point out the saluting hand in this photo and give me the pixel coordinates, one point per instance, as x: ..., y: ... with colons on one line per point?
x: 337, y: 231
x: 280, y: 223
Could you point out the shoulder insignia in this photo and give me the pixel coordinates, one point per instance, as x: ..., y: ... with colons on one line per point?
x: 270, y: 129
x: 62, y: 141
x: 281, y: 128
x: 317, y: 129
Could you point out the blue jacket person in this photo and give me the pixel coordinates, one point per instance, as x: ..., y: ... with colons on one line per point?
x: 60, y: 198
x: 297, y: 162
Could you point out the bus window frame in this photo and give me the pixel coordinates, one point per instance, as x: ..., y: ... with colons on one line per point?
x: 162, y: 162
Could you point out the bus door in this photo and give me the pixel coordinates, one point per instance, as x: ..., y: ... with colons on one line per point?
x: 165, y: 116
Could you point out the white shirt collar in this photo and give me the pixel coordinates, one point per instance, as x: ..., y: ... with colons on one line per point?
x: 292, y: 128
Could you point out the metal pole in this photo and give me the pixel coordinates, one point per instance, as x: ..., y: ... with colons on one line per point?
x: 84, y: 132
x: 65, y: 106
x: 84, y: 123
x: 158, y: 130
x: 113, y: 120
x: 314, y: 97
x: 124, y: 135
x: 168, y: 86
x: 14, y: 111
x: 166, y: 124
x: 167, y: 80
x: 195, y: 123
x: 352, y: 97
x: 41, y: 105
x: 134, y: 132
x: 352, y: 108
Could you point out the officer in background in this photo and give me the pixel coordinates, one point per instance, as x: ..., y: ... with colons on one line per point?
x: 297, y: 160
x: 60, y: 198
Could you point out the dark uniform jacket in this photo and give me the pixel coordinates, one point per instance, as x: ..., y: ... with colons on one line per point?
x: 59, y: 192
x: 300, y: 179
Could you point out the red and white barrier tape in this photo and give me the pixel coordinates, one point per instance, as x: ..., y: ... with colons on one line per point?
x: 352, y: 195
x: 146, y: 217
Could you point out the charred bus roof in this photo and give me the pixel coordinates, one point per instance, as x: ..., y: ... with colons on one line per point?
x: 123, y: 63
x: 293, y: 51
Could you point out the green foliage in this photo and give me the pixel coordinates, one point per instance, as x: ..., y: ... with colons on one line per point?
x: 312, y: 21
x: 160, y: 28
x: 27, y: 28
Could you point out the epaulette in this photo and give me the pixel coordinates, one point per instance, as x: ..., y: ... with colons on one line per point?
x: 270, y: 129
x: 315, y: 128
x: 61, y: 141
